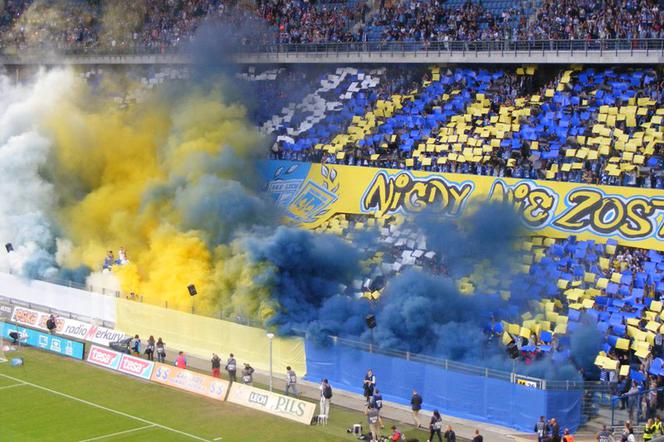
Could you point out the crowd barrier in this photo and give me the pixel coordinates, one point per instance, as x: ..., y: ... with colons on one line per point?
x: 201, y: 336
x: 204, y: 385
x: 193, y: 334
x: 468, y: 396
x: 44, y: 341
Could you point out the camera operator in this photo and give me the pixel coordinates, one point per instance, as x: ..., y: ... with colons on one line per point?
x: 15, y: 335
x: 372, y: 419
x: 51, y: 325
x: 231, y: 368
x: 247, y: 374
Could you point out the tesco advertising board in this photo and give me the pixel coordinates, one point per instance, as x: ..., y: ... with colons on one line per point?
x: 104, y: 357
x: 120, y: 362
x: 136, y: 366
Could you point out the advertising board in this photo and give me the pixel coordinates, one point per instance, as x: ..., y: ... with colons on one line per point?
x: 273, y: 403
x: 45, y: 341
x: 191, y: 381
x: 121, y: 362
x: 67, y: 327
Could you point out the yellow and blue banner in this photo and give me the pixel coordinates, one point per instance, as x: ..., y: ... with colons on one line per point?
x: 631, y: 216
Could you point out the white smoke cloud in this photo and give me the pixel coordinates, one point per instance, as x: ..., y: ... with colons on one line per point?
x: 26, y: 198
x: 103, y: 281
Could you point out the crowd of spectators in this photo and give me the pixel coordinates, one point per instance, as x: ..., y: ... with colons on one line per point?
x: 162, y: 25
x: 589, y: 19
x: 108, y: 26
x: 299, y: 22
x: 623, y: 294
x: 416, y: 20
x: 547, y: 124
x: 419, y: 20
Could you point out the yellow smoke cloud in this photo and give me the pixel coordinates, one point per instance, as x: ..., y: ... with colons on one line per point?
x: 105, y: 161
x: 235, y: 287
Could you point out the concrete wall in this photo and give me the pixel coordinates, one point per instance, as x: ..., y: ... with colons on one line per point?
x: 79, y: 302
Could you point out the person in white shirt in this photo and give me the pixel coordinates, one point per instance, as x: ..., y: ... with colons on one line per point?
x: 122, y: 256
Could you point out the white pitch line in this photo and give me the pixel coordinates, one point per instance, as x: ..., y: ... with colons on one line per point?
x: 11, y: 386
x: 105, y: 436
x: 101, y: 407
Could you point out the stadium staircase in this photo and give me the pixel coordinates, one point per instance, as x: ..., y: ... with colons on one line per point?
x: 597, y: 412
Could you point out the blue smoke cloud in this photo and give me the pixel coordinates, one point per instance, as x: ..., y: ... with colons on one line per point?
x: 340, y: 315
x: 306, y: 270
x: 220, y: 207
x: 416, y: 309
x: 486, y: 233
x: 585, y: 342
x: 77, y: 275
x: 419, y: 312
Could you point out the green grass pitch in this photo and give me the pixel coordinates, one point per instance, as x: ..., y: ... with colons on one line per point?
x: 52, y: 398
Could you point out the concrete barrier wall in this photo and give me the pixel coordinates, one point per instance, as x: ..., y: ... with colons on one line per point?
x: 79, y: 302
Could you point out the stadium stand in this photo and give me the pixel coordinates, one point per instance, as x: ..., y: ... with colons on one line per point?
x: 591, y: 125
x: 583, y: 125
x: 502, y: 20
x: 619, y: 288
x: 160, y: 26
x: 349, y: 115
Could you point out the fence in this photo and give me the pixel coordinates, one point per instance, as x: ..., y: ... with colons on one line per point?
x: 502, y: 46
x: 454, y: 389
x: 647, y: 46
x: 632, y: 407
x: 509, y: 376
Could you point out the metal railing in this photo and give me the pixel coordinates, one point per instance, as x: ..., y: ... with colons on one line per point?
x: 630, y: 407
x: 509, y: 376
x: 503, y: 46
x: 622, y: 46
